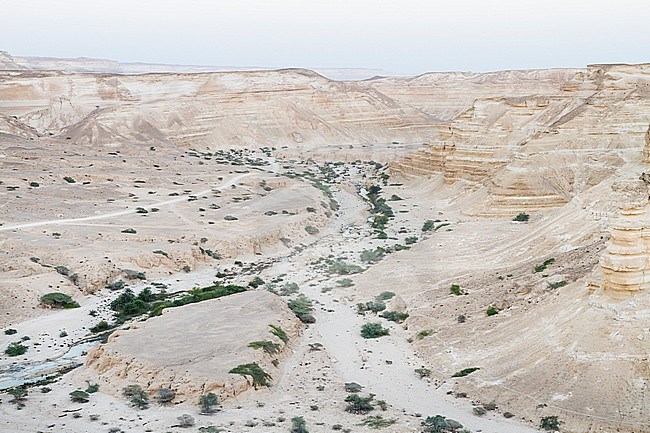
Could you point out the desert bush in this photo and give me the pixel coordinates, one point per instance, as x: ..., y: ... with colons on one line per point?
x: 411, y: 240
x: 268, y: 346
x: 69, y: 179
x: 464, y: 372
x: 165, y: 395
x: 375, y: 307
x: 394, y: 316
x: 197, y: 295
x: 185, y: 420
x: 521, y: 217
x: 358, y: 404
x: 256, y: 282
x: 423, y: 372
x: 385, y: 296
x: 10, y: 331
x: 373, y: 330
x: 372, y: 256
x: 208, y: 402
x: 258, y: 376
x: 312, y: 230
x: 456, y: 290
x: 117, y: 285
x: 137, y: 395
x: 428, y: 225
x: 279, y: 332
x: 491, y: 311
x: 298, y: 425
x: 340, y: 267
x: 479, y: 411
x: 543, y: 266
x: 129, y: 230
x: 58, y: 300
x: 101, y: 326
x: 424, y: 333
x: 550, y: 423
x: 345, y: 282
x: 461, y: 318
x: 80, y: 396
x: 15, y: 349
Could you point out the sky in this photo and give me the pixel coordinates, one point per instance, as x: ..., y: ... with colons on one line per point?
x: 399, y: 36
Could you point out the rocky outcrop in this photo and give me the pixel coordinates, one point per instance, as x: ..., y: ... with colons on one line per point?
x: 191, y: 349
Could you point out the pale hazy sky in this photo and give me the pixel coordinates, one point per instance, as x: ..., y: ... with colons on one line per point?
x: 405, y: 36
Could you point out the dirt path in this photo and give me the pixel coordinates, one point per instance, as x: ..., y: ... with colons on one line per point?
x: 122, y: 212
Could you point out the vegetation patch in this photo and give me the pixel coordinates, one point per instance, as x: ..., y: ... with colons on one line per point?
x: 373, y: 330
x: 543, y: 266
x: 58, y: 300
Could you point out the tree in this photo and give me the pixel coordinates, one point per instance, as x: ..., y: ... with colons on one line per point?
x: 298, y: 425
x: 164, y: 395
x: 208, y: 401
x: 138, y: 397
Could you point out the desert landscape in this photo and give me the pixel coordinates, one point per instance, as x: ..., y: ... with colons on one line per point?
x: 192, y: 250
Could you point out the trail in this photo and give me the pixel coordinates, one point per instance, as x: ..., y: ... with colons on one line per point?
x: 122, y: 212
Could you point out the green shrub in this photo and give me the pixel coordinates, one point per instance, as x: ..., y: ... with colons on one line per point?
x: 197, y: 295
x: 58, y: 300
x: 394, y: 316
x: 491, y: 311
x: 268, y: 346
x: 15, y: 349
x: 411, y: 240
x: 557, y: 285
x: 279, y: 332
x: 423, y: 372
x: 375, y: 307
x: 372, y: 256
x: 428, y: 225
x: 129, y: 231
x: 549, y: 423
x: 298, y: 425
x: 543, y: 266
x: 69, y: 179
x: 373, y: 330
x: 165, y: 395
x: 256, y: 282
x: 99, y: 327
x: 345, y: 282
x: 385, y: 296
x: 137, y: 395
x: 340, y: 267
x: 521, y: 217
x: 464, y: 372
x: 161, y: 252
x: 259, y: 377
x: 455, y: 290
x: 358, y: 404
x: 62, y: 270
x: 79, y: 396
x: 302, y: 308
x: 424, y: 333
x: 10, y: 331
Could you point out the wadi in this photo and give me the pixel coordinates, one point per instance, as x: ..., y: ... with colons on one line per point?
x: 278, y: 251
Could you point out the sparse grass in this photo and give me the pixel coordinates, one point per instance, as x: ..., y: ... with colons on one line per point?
x: 345, y: 282
x: 543, y: 266
x: 377, y: 422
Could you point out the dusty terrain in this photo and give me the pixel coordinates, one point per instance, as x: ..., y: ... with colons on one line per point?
x: 263, y: 179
